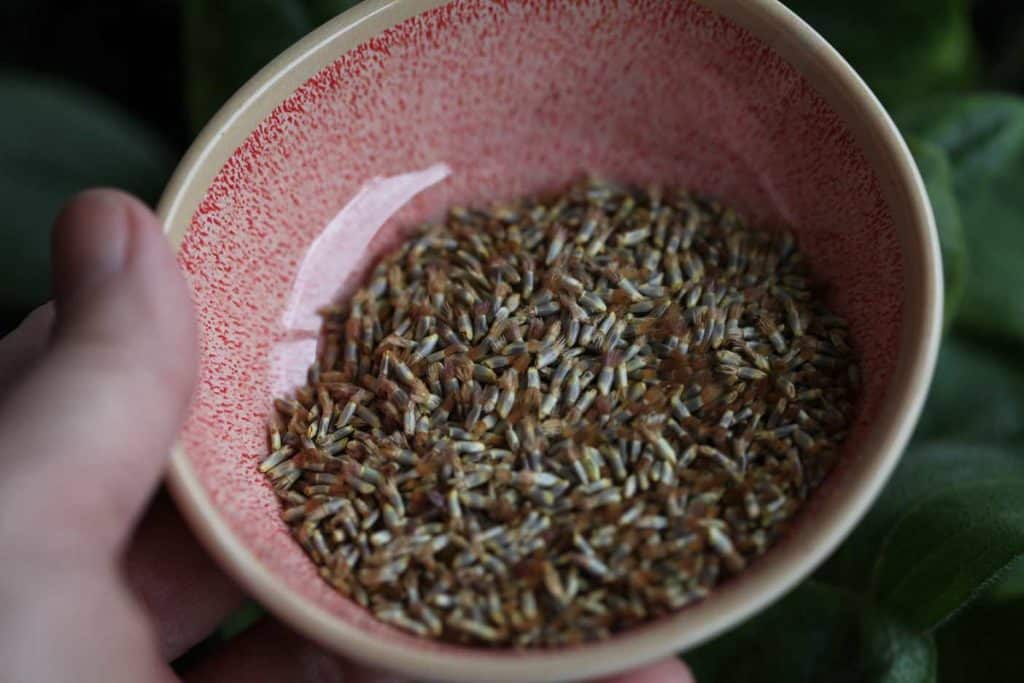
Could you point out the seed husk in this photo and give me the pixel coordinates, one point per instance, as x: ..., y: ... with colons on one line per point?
x: 553, y: 420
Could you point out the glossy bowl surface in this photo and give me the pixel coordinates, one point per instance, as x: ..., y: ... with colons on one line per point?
x: 396, y: 110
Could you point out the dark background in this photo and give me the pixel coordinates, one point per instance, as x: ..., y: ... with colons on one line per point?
x: 113, y: 92
x: 128, y: 51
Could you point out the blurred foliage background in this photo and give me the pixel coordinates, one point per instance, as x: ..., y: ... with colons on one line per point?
x: 930, y: 587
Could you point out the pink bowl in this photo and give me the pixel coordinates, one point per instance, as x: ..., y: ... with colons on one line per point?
x: 470, y: 100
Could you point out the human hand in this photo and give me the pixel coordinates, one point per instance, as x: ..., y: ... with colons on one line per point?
x: 95, y: 586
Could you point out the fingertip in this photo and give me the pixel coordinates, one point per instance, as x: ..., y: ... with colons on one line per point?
x: 104, y: 199
x: 116, y: 280
x: 92, y: 239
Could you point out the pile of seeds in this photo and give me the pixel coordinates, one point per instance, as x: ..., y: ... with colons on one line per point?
x: 541, y: 424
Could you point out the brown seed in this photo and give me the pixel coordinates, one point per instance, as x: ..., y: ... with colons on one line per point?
x: 542, y: 424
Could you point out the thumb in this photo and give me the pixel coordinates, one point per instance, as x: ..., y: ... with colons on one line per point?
x: 88, y: 429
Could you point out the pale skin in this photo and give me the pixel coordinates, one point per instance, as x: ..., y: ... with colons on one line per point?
x: 101, y: 579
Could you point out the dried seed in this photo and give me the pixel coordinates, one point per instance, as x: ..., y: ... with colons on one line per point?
x: 514, y: 425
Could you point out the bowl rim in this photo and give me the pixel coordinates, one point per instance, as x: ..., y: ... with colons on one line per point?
x: 798, y: 44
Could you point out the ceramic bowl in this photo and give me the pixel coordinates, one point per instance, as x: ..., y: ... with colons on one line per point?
x: 396, y: 110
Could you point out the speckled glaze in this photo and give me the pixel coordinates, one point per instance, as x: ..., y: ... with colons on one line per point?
x: 735, y: 99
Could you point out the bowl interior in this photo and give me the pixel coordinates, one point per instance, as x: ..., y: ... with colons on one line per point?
x: 515, y: 97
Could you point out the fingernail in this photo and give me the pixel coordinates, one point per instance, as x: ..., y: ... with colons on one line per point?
x: 90, y: 242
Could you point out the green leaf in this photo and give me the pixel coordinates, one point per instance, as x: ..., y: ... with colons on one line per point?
x: 227, y: 42
x: 984, y: 138
x: 938, y: 180
x: 1010, y: 586
x: 981, y: 133
x: 894, y: 652
x: 982, y: 644
x: 902, y: 48
x: 926, y: 469
x: 947, y: 549
x: 241, y: 620
x: 817, y: 633
x: 977, y: 393
x: 60, y: 140
x: 322, y: 10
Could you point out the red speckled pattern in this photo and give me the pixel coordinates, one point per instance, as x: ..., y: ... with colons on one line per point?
x: 515, y: 97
